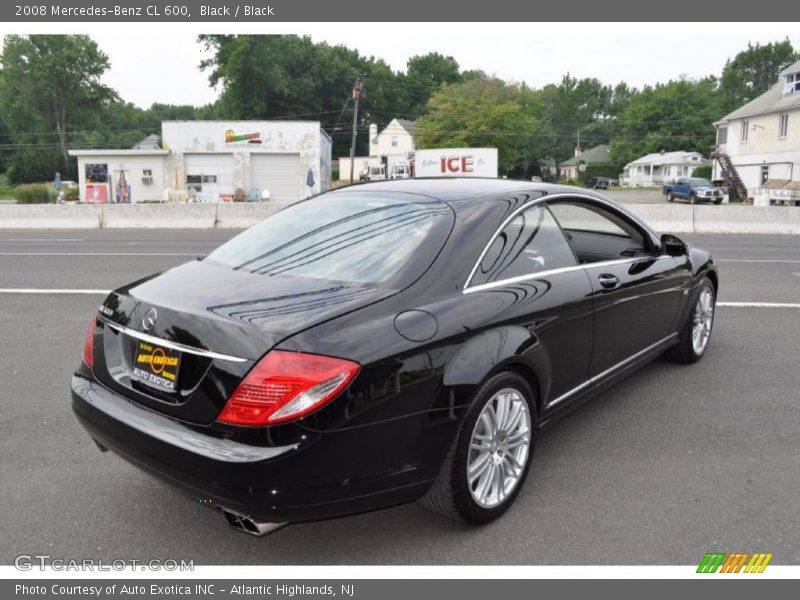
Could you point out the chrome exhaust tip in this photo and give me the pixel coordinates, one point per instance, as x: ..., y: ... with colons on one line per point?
x: 249, y: 525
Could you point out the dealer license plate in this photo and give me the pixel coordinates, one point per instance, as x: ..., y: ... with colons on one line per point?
x: 157, y: 366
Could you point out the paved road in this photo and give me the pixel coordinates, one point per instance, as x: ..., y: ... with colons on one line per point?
x: 665, y: 466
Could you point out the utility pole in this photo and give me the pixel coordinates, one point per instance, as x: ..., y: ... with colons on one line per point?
x: 358, y: 88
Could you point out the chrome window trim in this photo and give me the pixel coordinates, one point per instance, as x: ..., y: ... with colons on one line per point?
x: 609, y: 371
x: 544, y: 199
x: 542, y: 274
x: 168, y: 344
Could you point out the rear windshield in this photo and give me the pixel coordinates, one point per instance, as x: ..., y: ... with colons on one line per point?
x: 356, y: 238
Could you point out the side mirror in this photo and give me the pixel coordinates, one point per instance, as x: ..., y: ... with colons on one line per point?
x: 673, y: 246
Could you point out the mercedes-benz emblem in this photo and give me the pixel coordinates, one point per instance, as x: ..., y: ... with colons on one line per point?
x: 149, y: 320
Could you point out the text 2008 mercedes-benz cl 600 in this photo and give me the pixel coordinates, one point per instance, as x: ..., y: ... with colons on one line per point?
x: 385, y: 343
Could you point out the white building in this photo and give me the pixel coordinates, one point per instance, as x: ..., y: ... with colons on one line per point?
x: 212, y: 161
x: 758, y: 145
x: 394, y: 143
x: 661, y: 167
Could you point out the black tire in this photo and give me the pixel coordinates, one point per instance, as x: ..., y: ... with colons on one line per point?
x: 450, y: 495
x: 718, y: 202
x: 684, y: 352
x: 670, y: 197
x: 693, y: 199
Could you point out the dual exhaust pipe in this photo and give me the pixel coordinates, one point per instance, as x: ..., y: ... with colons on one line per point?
x: 249, y: 525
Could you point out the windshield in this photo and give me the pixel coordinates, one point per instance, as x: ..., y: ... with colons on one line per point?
x: 355, y: 238
x: 698, y: 181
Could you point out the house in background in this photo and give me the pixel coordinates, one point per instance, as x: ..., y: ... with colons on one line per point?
x: 393, y: 144
x: 571, y: 169
x: 758, y: 145
x: 661, y: 167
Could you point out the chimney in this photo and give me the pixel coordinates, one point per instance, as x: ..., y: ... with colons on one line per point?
x: 373, y: 132
x: 578, y: 151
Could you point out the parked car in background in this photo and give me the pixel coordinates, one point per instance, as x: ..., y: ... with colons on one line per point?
x: 389, y: 342
x: 598, y: 183
x: 693, y: 189
x: 377, y: 173
x: 400, y: 171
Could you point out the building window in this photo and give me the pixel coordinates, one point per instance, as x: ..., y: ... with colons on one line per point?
x: 783, y: 125
x: 638, y: 168
x: 745, y: 127
x: 394, y: 141
x: 97, y: 173
x: 792, y: 83
x: 722, y: 135
x: 666, y: 170
x: 764, y: 174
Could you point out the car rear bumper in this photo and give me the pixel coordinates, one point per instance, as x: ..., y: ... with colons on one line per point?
x: 306, y: 480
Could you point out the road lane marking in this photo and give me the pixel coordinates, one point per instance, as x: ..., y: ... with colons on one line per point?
x: 759, y: 304
x: 35, y: 240
x: 51, y: 291
x: 786, y: 261
x: 193, y: 254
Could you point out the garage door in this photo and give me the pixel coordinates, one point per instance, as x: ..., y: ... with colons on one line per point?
x: 278, y: 173
x: 209, y: 174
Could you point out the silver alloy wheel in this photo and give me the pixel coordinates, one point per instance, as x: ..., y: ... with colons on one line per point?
x: 702, y: 320
x: 498, y: 449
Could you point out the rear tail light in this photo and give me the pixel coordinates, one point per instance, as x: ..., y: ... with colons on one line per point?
x: 88, y: 344
x: 284, y: 386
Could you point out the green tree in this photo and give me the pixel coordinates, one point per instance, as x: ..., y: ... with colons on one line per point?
x: 50, y: 84
x: 753, y: 71
x: 424, y: 75
x: 287, y: 76
x: 483, y: 113
x: 581, y: 111
x: 677, y: 115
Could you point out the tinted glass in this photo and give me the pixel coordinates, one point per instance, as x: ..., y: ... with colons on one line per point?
x: 532, y: 242
x: 700, y: 182
x: 356, y: 238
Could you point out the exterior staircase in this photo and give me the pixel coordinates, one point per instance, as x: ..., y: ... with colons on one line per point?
x: 736, y: 189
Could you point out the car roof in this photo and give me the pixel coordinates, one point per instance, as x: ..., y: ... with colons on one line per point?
x: 454, y: 189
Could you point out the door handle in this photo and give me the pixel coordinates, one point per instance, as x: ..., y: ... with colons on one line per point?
x: 608, y: 281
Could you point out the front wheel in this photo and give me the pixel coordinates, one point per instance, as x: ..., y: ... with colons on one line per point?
x: 692, y: 199
x: 488, y: 461
x: 694, y: 335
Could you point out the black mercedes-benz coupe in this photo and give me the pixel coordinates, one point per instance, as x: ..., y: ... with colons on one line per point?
x: 384, y: 343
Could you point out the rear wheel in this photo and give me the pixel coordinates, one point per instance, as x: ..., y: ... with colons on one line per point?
x: 490, y: 457
x: 670, y: 197
x: 696, y: 332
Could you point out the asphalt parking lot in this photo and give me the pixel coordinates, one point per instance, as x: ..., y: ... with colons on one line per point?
x: 672, y: 463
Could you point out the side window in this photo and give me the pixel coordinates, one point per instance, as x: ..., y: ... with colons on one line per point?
x: 531, y: 243
x: 598, y: 234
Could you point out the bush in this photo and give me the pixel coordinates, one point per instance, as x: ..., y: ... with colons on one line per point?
x: 35, y: 193
x: 704, y: 172
x: 72, y: 194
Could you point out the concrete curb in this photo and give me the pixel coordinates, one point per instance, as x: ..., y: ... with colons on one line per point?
x: 676, y: 218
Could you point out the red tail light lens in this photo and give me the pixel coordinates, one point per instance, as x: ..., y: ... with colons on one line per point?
x: 284, y: 386
x: 88, y: 344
